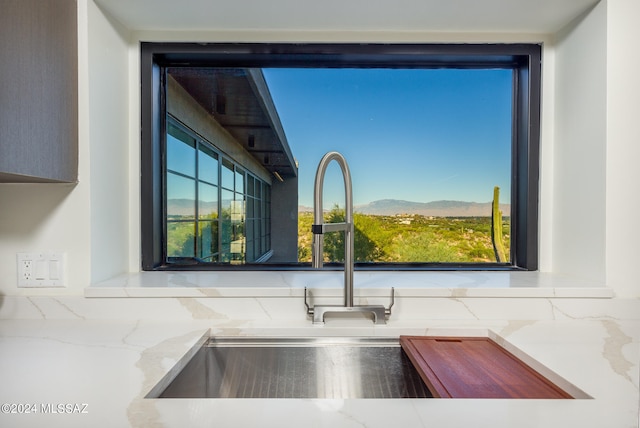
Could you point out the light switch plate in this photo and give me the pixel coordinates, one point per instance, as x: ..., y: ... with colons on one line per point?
x: 42, y: 269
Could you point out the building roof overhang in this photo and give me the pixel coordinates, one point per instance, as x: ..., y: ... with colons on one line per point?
x: 240, y: 101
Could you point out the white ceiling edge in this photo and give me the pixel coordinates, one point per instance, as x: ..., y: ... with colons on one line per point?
x: 449, y: 16
x: 337, y: 36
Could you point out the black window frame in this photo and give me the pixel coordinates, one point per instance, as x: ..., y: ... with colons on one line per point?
x: 525, y: 59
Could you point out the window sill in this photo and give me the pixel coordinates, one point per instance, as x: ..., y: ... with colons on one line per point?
x: 454, y: 284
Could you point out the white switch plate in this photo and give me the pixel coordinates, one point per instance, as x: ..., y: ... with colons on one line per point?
x: 42, y: 269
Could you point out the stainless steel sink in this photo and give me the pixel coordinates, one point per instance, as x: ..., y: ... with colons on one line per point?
x: 298, y: 368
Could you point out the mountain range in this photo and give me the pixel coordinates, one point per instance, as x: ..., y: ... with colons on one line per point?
x: 434, y: 209
x: 380, y: 207
x: 182, y: 207
x: 429, y: 209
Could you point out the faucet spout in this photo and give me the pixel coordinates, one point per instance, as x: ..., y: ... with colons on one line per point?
x: 319, y: 227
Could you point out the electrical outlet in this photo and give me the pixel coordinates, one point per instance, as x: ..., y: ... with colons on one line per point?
x: 41, y: 269
x: 27, y: 272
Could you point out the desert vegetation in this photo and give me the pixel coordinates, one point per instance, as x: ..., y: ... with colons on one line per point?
x: 406, y: 238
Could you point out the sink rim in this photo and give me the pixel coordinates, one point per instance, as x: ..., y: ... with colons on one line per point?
x: 302, y: 341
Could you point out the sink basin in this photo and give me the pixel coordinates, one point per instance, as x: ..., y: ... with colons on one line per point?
x: 317, y: 367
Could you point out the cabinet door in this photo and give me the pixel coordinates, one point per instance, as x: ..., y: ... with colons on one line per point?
x: 38, y: 91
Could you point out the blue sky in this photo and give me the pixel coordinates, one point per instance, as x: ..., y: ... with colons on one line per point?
x: 412, y: 134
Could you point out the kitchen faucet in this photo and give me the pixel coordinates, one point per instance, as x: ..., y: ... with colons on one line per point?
x: 319, y: 228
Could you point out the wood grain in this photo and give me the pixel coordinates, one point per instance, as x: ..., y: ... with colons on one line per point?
x: 475, y: 367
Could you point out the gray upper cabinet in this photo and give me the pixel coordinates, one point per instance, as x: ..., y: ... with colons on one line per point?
x: 38, y: 91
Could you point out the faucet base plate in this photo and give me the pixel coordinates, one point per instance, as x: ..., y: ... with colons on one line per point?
x: 379, y: 312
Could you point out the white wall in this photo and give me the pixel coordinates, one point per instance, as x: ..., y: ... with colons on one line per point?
x: 594, y: 179
x: 623, y: 147
x: 108, y: 65
x: 578, y: 150
x: 589, y: 178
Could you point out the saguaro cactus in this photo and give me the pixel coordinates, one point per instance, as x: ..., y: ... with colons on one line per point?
x: 496, y: 227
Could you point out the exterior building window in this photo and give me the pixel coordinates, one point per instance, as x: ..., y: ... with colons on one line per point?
x: 258, y: 218
x: 207, y: 222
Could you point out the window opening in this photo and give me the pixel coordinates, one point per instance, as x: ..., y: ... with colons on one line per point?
x: 246, y: 94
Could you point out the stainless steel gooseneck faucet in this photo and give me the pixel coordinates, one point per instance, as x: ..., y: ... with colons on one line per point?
x: 319, y: 228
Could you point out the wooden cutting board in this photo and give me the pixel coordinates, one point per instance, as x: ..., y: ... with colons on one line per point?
x: 475, y: 367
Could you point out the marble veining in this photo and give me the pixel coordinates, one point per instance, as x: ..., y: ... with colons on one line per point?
x: 37, y: 308
x: 198, y: 310
x: 463, y: 303
x: 514, y: 326
x: 614, y: 343
x: 68, y: 309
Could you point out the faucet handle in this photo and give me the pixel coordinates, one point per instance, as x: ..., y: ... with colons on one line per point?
x: 387, y: 311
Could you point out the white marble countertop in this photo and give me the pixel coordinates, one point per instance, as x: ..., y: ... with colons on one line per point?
x: 110, y: 364
x: 330, y: 283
